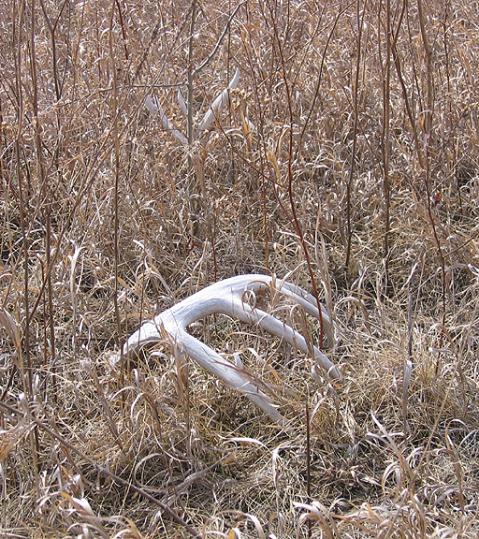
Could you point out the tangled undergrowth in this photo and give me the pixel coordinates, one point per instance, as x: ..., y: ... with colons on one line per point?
x: 346, y: 159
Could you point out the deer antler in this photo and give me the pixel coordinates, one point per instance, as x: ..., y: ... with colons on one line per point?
x: 213, y: 112
x: 227, y: 297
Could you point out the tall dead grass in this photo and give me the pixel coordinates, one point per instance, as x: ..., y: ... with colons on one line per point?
x: 347, y: 158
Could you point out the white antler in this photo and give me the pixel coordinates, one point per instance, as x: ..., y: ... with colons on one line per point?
x: 213, y: 112
x: 227, y: 297
x: 153, y: 105
x: 219, y: 103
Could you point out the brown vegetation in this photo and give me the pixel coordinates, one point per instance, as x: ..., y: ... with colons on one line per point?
x: 346, y: 160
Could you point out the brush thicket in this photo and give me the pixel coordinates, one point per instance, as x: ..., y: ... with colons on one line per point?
x: 341, y: 161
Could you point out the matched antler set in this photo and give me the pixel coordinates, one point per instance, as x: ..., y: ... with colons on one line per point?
x: 231, y: 297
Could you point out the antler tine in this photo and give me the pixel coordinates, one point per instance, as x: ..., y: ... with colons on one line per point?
x: 271, y: 324
x: 153, y: 105
x: 220, y: 367
x: 181, y: 102
x: 308, y: 302
x: 218, y: 103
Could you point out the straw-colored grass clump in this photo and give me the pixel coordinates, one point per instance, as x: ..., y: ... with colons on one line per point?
x: 344, y: 159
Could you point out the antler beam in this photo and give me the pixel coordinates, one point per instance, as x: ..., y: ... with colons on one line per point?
x: 228, y: 297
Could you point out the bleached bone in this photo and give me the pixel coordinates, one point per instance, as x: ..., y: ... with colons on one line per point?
x: 228, y: 297
x: 181, y: 102
x: 153, y: 105
x: 218, y: 103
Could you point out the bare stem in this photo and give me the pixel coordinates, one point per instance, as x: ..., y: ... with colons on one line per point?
x: 349, y: 185
x: 295, y: 219
x: 386, y: 145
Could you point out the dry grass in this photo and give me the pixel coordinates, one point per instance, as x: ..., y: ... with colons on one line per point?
x: 105, y: 220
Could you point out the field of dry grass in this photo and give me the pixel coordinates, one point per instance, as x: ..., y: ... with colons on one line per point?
x: 346, y: 158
